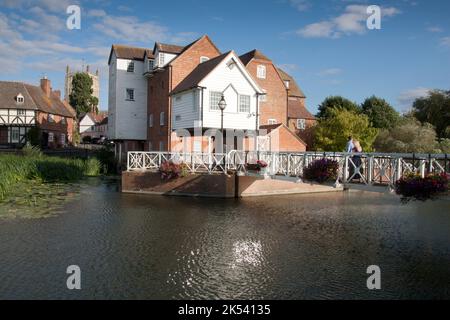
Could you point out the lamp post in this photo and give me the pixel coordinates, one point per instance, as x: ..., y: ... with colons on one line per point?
x: 222, y: 106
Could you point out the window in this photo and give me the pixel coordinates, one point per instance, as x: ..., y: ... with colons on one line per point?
x: 214, y: 98
x: 161, y: 146
x: 161, y: 119
x: 15, y: 135
x: 244, y: 103
x: 161, y: 59
x: 150, y: 121
x: 20, y: 98
x: 50, y: 137
x: 130, y: 67
x: 21, y: 112
x: 63, y: 120
x: 301, y: 124
x: 130, y: 94
x: 63, y: 138
x: 286, y: 83
x: 263, y: 98
x: 272, y: 121
x: 50, y: 118
x: 203, y: 59
x: 177, y: 118
x: 261, y: 72
x: 178, y: 98
x: 151, y: 64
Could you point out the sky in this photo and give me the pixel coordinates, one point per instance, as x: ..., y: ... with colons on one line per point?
x: 325, y: 45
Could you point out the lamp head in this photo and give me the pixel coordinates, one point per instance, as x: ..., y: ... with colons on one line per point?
x: 222, y: 103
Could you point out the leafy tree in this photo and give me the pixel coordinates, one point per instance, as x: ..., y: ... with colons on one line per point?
x: 76, y: 138
x: 435, y: 109
x: 381, y: 114
x: 410, y: 136
x: 81, y: 97
x: 334, y: 102
x: 332, y: 132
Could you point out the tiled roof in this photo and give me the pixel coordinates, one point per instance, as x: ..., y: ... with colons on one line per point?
x: 294, y: 89
x: 199, y: 73
x: 34, y: 99
x: 254, y: 54
x: 270, y: 127
x: 169, y: 48
x: 128, y: 52
x: 297, y: 110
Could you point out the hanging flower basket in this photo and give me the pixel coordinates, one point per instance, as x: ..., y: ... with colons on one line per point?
x: 260, y: 166
x: 414, y: 187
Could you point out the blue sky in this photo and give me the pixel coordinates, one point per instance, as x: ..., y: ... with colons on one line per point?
x: 325, y: 45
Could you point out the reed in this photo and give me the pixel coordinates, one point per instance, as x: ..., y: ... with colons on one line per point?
x: 35, y: 166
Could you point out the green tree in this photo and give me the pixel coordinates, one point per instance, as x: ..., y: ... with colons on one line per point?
x: 332, y: 132
x: 409, y: 136
x: 81, y: 97
x: 381, y: 114
x: 334, y: 102
x: 434, y: 109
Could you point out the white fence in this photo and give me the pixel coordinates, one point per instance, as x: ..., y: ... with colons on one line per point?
x: 367, y: 168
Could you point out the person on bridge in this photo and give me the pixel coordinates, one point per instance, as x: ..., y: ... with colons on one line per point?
x: 350, y: 146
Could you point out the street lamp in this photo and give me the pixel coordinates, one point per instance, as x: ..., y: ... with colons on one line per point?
x: 222, y: 106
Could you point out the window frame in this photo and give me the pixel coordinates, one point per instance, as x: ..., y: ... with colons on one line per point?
x: 162, y: 118
x: 131, y: 66
x: 303, y: 122
x: 216, y: 105
x: 21, y: 112
x: 261, y: 71
x: 271, y: 121
x: 248, y: 107
x: 150, y: 120
x: 126, y: 94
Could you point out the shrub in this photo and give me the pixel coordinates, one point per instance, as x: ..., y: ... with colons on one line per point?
x: 418, y: 188
x: 170, y: 170
x: 107, y: 159
x: 322, y: 170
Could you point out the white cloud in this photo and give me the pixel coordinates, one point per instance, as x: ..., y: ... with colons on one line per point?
x: 96, y: 13
x: 406, y: 98
x: 58, y: 6
x: 131, y: 29
x: 289, y: 67
x: 351, y: 21
x: 434, y: 29
x: 445, y: 41
x: 330, y: 72
x: 300, y: 5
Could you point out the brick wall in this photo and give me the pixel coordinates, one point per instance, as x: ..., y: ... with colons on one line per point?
x: 56, y: 127
x: 161, y: 84
x: 306, y: 135
x: 275, y: 106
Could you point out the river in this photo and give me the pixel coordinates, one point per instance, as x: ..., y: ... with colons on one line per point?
x: 283, y: 247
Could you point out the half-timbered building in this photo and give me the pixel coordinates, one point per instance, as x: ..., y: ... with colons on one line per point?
x: 24, y: 106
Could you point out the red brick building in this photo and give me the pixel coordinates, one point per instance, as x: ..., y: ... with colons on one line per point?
x: 24, y: 106
x: 165, y: 67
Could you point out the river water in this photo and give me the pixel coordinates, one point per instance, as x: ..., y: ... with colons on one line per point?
x: 287, y: 247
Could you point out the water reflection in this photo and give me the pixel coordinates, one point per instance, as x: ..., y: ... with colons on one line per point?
x: 290, y: 247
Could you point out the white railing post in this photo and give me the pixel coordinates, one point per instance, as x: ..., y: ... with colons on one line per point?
x: 128, y: 161
x: 370, y: 170
x: 345, y: 173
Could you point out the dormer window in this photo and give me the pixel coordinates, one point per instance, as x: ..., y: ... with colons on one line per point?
x: 50, y: 118
x: 130, y: 67
x: 203, y: 59
x: 20, y: 98
x: 151, y: 64
x: 161, y: 59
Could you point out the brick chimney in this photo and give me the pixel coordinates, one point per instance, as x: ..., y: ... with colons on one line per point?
x: 46, y: 86
x: 57, y: 93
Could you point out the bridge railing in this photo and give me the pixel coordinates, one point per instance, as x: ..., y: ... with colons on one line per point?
x: 367, y: 168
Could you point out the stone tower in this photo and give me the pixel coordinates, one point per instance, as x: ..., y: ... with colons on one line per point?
x: 68, y: 82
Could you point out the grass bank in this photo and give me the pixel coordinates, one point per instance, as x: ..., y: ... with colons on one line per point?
x: 33, y: 165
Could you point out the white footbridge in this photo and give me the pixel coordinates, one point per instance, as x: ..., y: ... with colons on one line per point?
x: 365, y: 168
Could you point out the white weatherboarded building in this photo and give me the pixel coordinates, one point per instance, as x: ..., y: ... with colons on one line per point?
x: 127, y: 97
